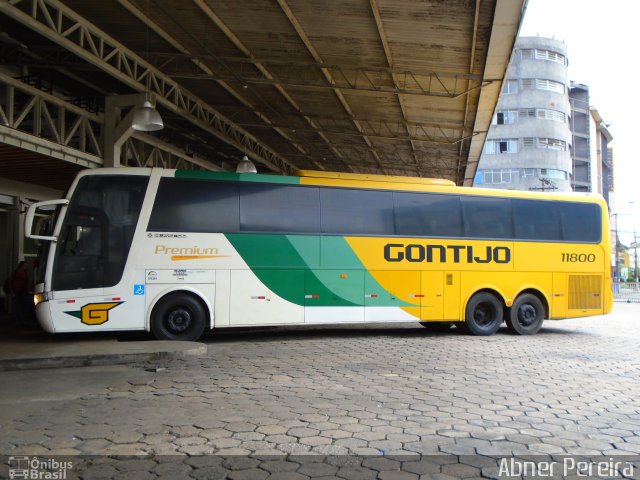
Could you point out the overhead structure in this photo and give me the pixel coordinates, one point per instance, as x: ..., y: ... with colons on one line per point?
x: 394, y: 87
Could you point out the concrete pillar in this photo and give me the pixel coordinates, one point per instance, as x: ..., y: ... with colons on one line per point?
x: 116, y: 129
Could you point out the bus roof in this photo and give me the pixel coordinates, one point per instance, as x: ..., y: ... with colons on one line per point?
x: 373, y: 178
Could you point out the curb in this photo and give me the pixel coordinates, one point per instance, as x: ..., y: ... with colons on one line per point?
x: 126, y: 352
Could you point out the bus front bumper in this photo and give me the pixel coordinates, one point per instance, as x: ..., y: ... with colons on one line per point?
x: 43, y: 312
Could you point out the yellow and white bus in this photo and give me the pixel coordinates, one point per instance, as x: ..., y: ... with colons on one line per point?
x: 177, y: 252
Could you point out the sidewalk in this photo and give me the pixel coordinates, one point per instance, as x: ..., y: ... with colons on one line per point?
x: 28, y: 347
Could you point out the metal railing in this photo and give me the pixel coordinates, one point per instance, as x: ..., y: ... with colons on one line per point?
x: 626, y: 292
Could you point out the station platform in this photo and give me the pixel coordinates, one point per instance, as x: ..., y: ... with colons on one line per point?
x: 26, y: 347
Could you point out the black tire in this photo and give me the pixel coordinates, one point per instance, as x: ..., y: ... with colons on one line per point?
x: 178, y: 316
x: 526, y: 315
x: 483, y: 315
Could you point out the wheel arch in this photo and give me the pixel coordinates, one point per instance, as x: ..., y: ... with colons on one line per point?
x: 194, y: 292
x: 541, y: 296
x: 484, y: 289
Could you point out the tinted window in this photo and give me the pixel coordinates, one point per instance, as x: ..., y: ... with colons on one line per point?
x: 424, y: 214
x: 186, y: 205
x: 347, y: 211
x: 536, y: 220
x: 279, y: 208
x: 487, y: 217
x: 97, y: 232
x: 580, y: 222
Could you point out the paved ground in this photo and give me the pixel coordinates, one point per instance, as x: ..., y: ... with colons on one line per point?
x: 378, y: 402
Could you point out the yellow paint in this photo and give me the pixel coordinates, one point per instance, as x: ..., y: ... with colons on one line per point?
x: 440, y: 290
x: 320, y: 176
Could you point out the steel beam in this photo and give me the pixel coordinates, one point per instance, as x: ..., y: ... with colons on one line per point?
x: 143, y: 150
x: 198, y: 62
x: 327, y: 75
x: 46, y: 147
x: 66, y: 28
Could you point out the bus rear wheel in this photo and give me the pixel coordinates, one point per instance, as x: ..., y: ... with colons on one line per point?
x: 178, y: 316
x: 483, y: 315
x: 526, y: 315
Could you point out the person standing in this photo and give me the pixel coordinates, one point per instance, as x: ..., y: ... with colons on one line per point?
x: 20, y: 291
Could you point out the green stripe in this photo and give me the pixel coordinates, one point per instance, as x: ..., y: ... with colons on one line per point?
x: 238, y: 177
x: 327, y: 266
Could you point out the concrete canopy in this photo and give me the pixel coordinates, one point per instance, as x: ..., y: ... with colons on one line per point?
x: 397, y: 87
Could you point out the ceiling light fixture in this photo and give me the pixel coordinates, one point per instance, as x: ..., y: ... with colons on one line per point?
x: 246, y: 166
x: 147, y: 118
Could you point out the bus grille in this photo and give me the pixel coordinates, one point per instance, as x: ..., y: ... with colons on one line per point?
x: 585, y: 291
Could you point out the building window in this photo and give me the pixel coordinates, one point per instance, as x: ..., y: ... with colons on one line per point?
x: 505, y: 117
x: 499, y: 176
x: 510, y: 86
x: 552, y: 143
x: 509, y: 145
x: 540, y: 54
x: 542, y: 114
x: 529, y: 172
x: 553, y: 173
x: 528, y: 142
x: 554, y: 115
x: 543, y: 84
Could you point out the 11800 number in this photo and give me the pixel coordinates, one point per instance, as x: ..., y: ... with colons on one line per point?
x: 578, y: 257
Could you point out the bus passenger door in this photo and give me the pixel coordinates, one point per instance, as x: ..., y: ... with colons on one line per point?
x: 392, y: 296
x: 432, y: 296
x: 451, y: 296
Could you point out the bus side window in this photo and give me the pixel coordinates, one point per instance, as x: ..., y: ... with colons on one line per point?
x: 487, y: 217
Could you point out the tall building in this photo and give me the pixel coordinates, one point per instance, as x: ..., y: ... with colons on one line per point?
x: 529, y: 143
x: 591, y: 154
x: 581, y: 128
x: 601, y: 156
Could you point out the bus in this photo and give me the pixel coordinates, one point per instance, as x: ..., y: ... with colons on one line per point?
x: 179, y: 252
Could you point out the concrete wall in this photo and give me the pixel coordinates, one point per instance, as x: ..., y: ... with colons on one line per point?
x: 540, y: 159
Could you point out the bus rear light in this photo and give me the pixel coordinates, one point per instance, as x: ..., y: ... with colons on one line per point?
x: 70, y: 301
x: 314, y: 295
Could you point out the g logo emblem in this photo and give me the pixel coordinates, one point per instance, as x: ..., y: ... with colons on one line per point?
x: 95, y: 313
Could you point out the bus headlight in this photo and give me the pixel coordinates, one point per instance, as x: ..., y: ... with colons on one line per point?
x: 38, y: 298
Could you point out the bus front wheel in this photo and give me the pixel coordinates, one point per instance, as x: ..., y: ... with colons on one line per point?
x: 483, y: 315
x: 526, y: 315
x: 178, y: 316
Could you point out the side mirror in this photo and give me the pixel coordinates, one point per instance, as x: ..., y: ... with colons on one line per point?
x: 31, y: 212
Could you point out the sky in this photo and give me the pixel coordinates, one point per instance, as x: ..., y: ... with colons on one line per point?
x: 602, y: 40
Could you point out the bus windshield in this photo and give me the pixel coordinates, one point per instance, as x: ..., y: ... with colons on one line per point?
x: 97, y: 232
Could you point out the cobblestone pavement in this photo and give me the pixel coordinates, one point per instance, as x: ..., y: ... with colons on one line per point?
x: 379, y: 402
